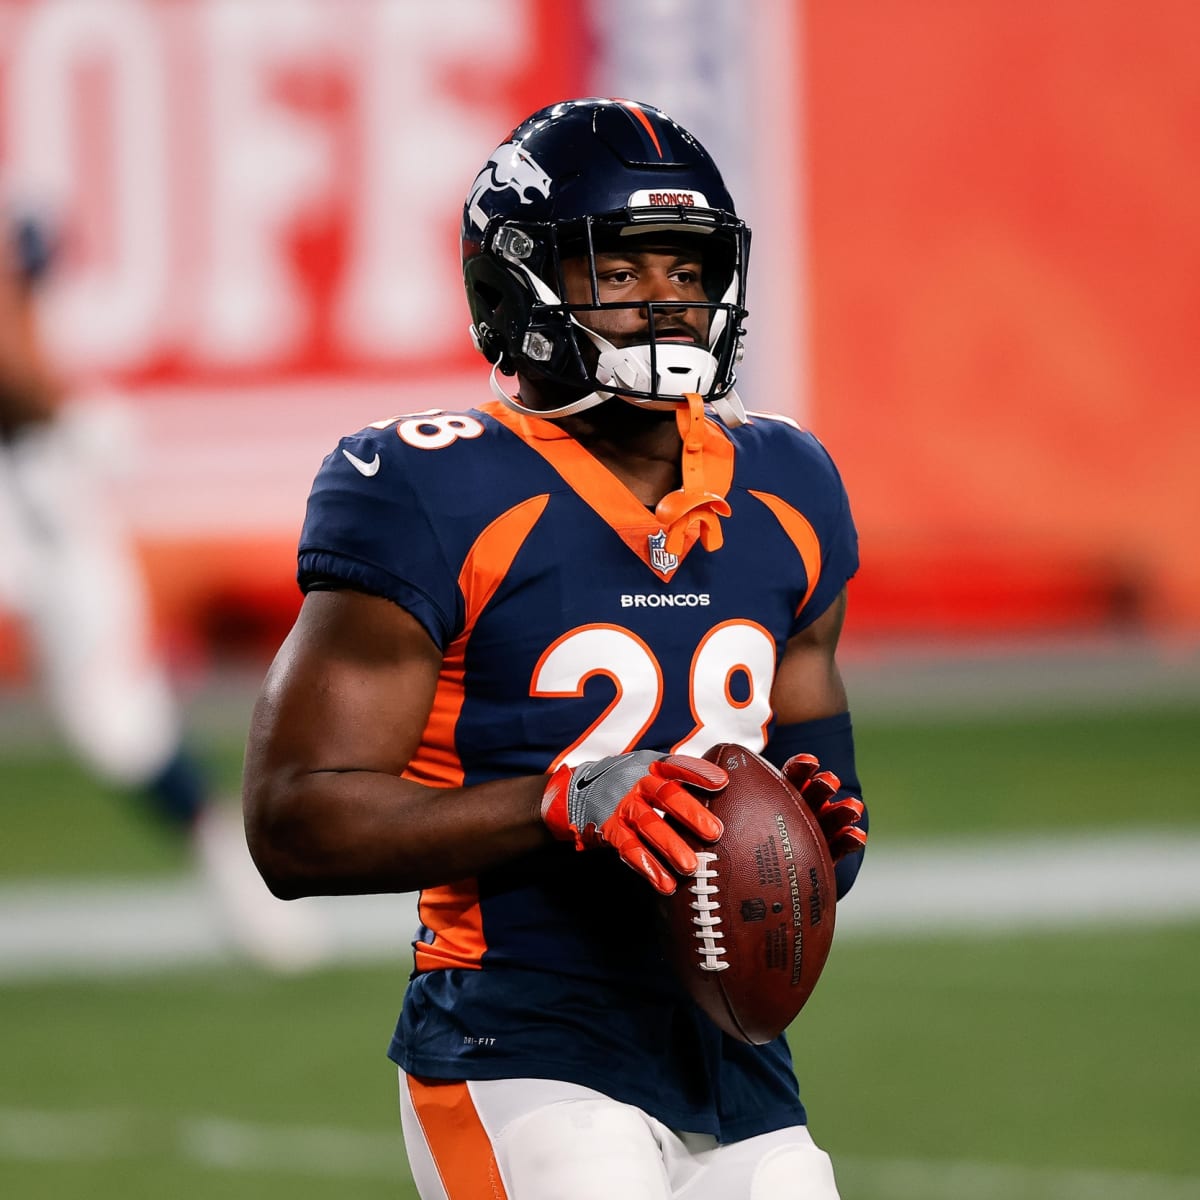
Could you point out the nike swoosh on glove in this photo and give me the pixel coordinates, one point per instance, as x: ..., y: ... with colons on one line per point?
x: 838, y: 819
x: 621, y: 801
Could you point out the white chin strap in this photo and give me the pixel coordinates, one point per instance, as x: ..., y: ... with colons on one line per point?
x: 681, y: 369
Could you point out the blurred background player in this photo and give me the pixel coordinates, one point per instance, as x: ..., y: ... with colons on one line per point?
x: 69, y: 571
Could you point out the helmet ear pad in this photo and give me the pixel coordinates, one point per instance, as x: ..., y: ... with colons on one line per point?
x: 505, y: 310
x: 501, y: 306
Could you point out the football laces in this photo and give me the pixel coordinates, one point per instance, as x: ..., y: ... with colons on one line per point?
x: 706, y: 907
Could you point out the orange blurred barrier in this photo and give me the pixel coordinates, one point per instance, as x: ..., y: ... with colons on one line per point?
x: 1005, y: 251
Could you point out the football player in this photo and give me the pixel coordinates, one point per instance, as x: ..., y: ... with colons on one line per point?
x: 522, y: 627
x: 69, y: 572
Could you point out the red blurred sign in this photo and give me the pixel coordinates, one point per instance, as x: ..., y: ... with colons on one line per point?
x: 258, y: 203
x: 988, y: 210
x: 259, y: 191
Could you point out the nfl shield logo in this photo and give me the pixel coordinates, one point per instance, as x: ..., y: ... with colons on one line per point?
x: 660, y: 560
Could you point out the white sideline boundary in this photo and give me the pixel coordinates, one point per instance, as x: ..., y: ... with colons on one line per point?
x: 222, y: 1144
x: 955, y: 887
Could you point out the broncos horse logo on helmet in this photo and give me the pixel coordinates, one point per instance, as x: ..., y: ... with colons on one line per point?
x: 575, y: 178
x: 509, y: 167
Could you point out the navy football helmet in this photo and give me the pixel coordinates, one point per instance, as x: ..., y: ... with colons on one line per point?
x: 576, y: 178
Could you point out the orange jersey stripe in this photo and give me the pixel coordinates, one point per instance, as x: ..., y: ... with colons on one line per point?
x: 803, y: 536
x: 490, y: 559
x: 436, y: 762
x: 452, y: 912
x: 457, y: 1140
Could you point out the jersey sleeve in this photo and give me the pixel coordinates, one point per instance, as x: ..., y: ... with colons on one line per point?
x: 837, y: 535
x: 367, y: 527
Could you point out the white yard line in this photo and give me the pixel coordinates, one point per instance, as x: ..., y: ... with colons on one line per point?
x: 336, y: 1153
x: 216, y: 1143
x: 1048, y: 882
x: 43, y: 1135
x: 47, y: 930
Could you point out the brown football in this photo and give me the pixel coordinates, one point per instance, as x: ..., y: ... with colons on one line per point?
x: 749, y: 933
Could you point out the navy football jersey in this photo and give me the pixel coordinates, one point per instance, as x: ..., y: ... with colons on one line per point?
x: 571, y: 629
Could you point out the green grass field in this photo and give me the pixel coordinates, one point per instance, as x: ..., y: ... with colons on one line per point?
x: 1050, y: 1066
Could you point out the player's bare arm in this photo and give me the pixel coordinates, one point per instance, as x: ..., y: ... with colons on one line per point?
x: 29, y: 390
x: 809, y: 688
x: 808, y: 684
x: 339, y: 717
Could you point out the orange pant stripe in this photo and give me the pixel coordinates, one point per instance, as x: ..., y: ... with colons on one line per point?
x: 457, y: 1140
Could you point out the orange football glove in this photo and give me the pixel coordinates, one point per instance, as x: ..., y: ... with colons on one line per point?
x: 838, y: 818
x: 621, y: 802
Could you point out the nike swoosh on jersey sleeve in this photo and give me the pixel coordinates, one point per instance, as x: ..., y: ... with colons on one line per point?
x: 363, y: 468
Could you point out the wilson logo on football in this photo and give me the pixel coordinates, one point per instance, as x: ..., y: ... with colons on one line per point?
x: 509, y: 167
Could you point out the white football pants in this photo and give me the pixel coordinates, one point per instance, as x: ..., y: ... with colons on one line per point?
x: 537, y: 1139
x: 68, y: 570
